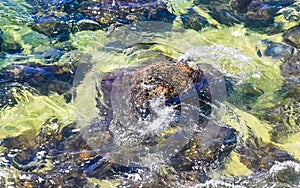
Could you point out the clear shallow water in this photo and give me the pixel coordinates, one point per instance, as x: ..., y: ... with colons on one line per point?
x: 89, y: 103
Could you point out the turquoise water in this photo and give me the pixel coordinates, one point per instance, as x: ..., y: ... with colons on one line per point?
x: 149, y: 93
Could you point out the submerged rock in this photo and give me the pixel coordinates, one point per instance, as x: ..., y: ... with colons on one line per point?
x: 192, y: 20
x: 166, y: 82
x: 60, y: 18
x: 52, y: 26
x: 291, y: 66
x: 40, y: 79
x: 259, y: 14
x: 277, y: 50
x: 9, y: 46
x: 78, y: 157
x: 203, y: 154
x: 292, y: 36
x: 251, y: 13
x: 261, y: 158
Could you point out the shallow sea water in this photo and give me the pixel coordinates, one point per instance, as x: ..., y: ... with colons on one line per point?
x: 177, y: 93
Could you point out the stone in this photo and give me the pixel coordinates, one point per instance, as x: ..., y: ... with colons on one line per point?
x: 277, y: 50
x: 291, y: 66
x: 252, y: 13
x: 192, y: 20
x: 39, y: 79
x: 58, y: 19
x: 12, y: 47
x: 52, y: 26
x: 292, y: 36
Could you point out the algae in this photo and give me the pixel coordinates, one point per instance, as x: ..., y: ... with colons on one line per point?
x: 89, y: 40
x: 234, y: 167
x: 247, y: 124
x: 31, y: 112
x: 178, y: 6
x: 105, y: 183
x: 292, y: 145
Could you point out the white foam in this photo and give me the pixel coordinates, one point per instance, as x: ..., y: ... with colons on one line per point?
x: 217, y: 184
x: 284, y: 165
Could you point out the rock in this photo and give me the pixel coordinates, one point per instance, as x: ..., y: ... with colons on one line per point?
x: 206, y: 154
x: 259, y: 14
x: 192, y: 20
x: 147, y: 90
x: 52, y: 26
x: 1, y: 39
x: 42, y: 78
x: 263, y: 158
x: 125, y: 12
x: 280, y: 2
x: 251, y: 13
x: 52, y: 55
x: 224, y: 16
x: 45, y: 79
x: 87, y: 24
x: 239, y: 5
x: 59, y: 18
x: 286, y: 173
x: 9, y: 46
x: 291, y: 66
x: 292, y: 36
x: 277, y: 50
x: 170, y: 87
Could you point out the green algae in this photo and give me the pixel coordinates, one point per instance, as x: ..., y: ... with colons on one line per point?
x: 89, y: 40
x: 178, y: 6
x: 105, y: 183
x: 289, y: 16
x: 31, y: 112
x: 14, y: 19
x: 247, y: 124
x: 234, y: 167
x: 292, y: 145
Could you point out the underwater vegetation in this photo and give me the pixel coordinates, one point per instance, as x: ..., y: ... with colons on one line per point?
x: 174, y: 93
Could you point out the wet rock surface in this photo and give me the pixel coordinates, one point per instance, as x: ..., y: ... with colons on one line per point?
x: 292, y: 36
x: 164, y: 78
x: 9, y: 47
x: 278, y: 50
x: 39, y: 79
x: 251, y: 13
x: 291, y: 66
x: 261, y: 158
x: 77, y: 158
x: 63, y: 17
x: 196, y: 155
x: 191, y: 20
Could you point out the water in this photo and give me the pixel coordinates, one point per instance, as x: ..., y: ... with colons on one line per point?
x: 149, y: 94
